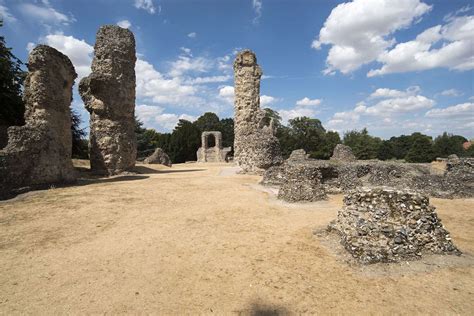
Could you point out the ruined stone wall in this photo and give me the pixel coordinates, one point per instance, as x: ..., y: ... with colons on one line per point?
x: 385, y: 225
x: 212, y: 154
x: 40, y: 151
x: 302, y: 184
x: 158, y: 157
x: 255, y: 146
x: 109, y: 96
x: 343, y: 153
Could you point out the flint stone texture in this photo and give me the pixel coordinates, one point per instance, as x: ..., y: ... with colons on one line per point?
x: 212, y: 154
x: 386, y: 225
x: 343, y: 153
x: 256, y: 147
x: 39, y: 152
x: 456, y: 182
x: 109, y: 96
x: 158, y: 157
x: 302, y: 184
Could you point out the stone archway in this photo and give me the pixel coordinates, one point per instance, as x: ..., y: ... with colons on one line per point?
x: 216, y: 153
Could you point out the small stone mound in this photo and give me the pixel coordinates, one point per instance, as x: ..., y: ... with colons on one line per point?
x: 298, y: 155
x: 158, y: 157
x: 343, y: 153
x: 302, y: 184
x: 385, y: 225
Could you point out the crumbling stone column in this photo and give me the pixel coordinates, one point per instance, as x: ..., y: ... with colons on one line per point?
x: 255, y: 146
x: 109, y: 96
x: 40, y: 151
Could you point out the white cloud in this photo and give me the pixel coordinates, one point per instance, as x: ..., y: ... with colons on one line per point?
x: 30, y: 46
x: 464, y: 110
x: 257, y: 7
x: 5, y: 14
x: 359, y: 31
x: 153, y: 116
x: 210, y: 79
x: 455, y: 53
x: 226, y: 93
x: 451, y: 93
x: 383, y: 109
x: 192, y: 35
x: 308, y: 102
x: 77, y: 50
x: 186, y: 63
x: 266, y: 100
x: 124, y: 23
x: 146, y: 5
x: 45, y: 14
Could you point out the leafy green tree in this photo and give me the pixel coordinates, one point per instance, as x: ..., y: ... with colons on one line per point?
x: 79, y: 143
x: 272, y: 114
x: 385, y: 151
x: 421, y: 150
x: 226, y: 127
x: 12, y: 108
x: 363, y: 145
x: 325, y: 150
x: 184, y: 142
x: 447, y: 144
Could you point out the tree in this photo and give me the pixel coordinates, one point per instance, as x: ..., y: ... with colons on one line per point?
x: 226, y: 127
x: 272, y: 114
x: 421, y: 150
x: 385, y: 151
x: 363, y: 145
x: 79, y: 143
x: 447, y: 144
x: 12, y: 108
x: 330, y: 140
x: 184, y: 142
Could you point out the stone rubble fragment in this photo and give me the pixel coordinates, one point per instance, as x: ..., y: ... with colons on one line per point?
x: 386, y: 225
x: 109, y: 96
x: 255, y: 145
x: 302, y: 184
x: 343, y: 153
x: 158, y: 157
x: 39, y: 152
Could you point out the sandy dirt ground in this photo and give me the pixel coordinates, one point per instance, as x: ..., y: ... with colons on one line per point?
x: 199, y: 239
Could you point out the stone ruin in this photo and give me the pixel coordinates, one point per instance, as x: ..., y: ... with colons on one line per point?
x: 302, y: 184
x: 386, y: 225
x: 109, y: 96
x: 343, y: 153
x: 255, y: 146
x: 457, y: 181
x: 158, y: 157
x: 39, y: 152
x: 212, y: 154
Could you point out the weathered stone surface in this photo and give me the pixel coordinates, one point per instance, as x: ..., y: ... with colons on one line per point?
x: 212, y: 154
x: 456, y: 182
x: 343, y: 153
x: 302, y: 184
x: 158, y: 157
x: 109, y: 96
x: 40, y: 151
x: 386, y: 225
x: 298, y: 155
x: 256, y: 147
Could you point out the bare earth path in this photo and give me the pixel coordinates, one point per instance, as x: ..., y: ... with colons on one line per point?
x: 193, y: 240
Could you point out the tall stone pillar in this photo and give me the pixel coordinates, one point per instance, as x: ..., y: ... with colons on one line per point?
x: 255, y: 146
x: 40, y: 151
x: 109, y: 96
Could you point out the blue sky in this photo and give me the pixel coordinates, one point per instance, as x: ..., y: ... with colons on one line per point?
x: 394, y: 67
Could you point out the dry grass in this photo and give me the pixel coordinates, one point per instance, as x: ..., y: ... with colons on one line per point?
x: 190, y: 240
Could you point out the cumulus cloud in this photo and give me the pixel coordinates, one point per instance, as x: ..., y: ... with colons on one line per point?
x: 45, y: 13
x: 226, y: 93
x: 192, y: 35
x: 188, y: 64
x: 124, y: 23
x: 384, y: 108
x: 451, y: 93
x: 77, y: 50
x: 266, y: 100
x: 210, y: 79
x: 146, y: 5
x: 456, y: 39
x: 5, y: 14
x: 360, y: 31
x: 308, y: 102
x: 464, y: 110
x: 154, y: 116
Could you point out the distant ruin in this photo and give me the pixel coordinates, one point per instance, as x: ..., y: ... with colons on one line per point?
x: 255, y: 145
x: 40, y: 151
x: 212, y: 154
x: 386, y: 225
x: 158, y: 157
x: 109, y: 96
x: 343, y: 153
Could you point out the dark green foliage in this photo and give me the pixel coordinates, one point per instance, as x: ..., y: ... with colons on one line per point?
x: 386, y: 150
x: 363, y: 145
x: 12, y: 76
x: 79, y: 143
x: 184, y: 142
x: 421, y: 150
x: 448, y: 144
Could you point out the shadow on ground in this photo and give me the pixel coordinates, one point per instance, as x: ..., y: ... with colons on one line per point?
x: 263, y: 309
